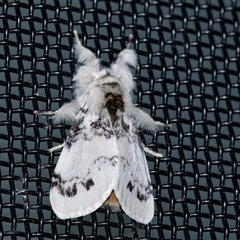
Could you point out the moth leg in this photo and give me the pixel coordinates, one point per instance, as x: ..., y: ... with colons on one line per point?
x: 48, y: 115
x: 67, y: 112
x: 43, y: 112
x: 56, y: 147
x: 144, y: 121
x: 153, y: 153
x: 162, y: 124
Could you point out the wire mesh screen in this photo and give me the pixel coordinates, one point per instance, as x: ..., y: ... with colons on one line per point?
x: 188, y: 75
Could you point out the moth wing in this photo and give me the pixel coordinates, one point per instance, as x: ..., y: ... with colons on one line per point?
x: 133, y: 190
x: 87, y: 169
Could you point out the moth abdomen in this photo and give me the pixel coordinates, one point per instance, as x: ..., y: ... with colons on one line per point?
x: 112, y: 202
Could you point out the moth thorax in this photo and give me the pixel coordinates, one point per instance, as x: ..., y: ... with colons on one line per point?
x: 113, y: 103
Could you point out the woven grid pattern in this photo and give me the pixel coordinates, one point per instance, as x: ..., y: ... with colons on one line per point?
x: 188, y: 76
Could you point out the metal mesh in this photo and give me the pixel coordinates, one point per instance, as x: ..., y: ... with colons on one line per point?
x: 188, y: 76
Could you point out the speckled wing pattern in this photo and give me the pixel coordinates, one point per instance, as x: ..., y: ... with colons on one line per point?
x: 99, y: 157
x: 87, y: 169
x: 133, y: 188
x: 102, y: 161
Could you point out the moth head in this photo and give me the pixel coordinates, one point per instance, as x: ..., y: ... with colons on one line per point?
x: 90, y: 68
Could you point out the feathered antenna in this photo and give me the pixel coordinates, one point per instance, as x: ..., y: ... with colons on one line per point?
x: 127, y: 57
x: 130, y: 38
x: 84, y: 55
x: 89, y: 65
x: 76, y: 37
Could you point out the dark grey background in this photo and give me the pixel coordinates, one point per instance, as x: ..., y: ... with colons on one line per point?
x: 188, y: 75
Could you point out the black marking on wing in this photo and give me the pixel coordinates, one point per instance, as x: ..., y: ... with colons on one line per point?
x: 74, y: 132
x: 88, y: 184
x: 130, y: 186
x: 122, y: 130
x: 83, y: 110
x: 58, y: 182
x: 101, y: 128
x: 144, y: 194
x: 128, y: 131
x: 105, y: 159
x: 124, y: 162
x: 141, y: 196
x: 71, y: 192
x: 125, y: 126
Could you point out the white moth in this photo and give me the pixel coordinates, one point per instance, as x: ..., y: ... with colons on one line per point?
x: 103, y: 161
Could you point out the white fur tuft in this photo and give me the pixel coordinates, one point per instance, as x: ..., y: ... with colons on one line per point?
x: 67, y: 112
x: 144, y: 121
x: 120, y: 68
x: 90, y: 69
x: 90, y: 64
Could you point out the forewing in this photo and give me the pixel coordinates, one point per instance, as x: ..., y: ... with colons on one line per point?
x: 87, y: 169
x: 133, y: 190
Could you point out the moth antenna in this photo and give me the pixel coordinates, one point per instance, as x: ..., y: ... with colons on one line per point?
x: 77, y: 37
x: 120, y: 68
x: 89, y: 64
x: 130, y: 38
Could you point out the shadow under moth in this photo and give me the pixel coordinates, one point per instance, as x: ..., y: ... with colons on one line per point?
x: 102, y: 162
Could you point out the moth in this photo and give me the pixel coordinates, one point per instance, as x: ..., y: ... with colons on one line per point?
x: 102, y: 162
